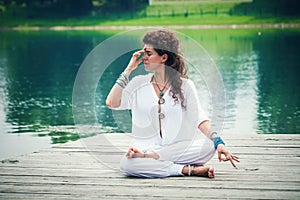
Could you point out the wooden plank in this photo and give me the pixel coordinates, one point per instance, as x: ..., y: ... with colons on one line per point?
x: 138, y: 191
x: 35, y: 182
x: 269, y: 170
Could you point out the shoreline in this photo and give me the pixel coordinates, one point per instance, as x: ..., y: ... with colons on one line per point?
x: 96, y: 28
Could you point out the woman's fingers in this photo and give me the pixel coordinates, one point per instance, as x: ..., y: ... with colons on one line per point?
x: 232, y: 159
x: 235, y: 158
x: 220, y: 156
x: 133, y: 152
x: 130, y: 152
x: 232, y: 162
x: 134, y: 62
x: 228, y: 157
x: 138, y: 53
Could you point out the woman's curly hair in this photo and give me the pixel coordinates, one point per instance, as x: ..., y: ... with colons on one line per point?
x: 165, y: 42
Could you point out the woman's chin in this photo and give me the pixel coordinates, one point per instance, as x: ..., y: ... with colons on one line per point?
x: 147, y: 67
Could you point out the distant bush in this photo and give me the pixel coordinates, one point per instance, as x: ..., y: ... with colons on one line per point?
x: 67, y: 8
x: 268, y: 7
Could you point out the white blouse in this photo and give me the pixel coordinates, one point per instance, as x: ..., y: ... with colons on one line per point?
x: 179, y: 123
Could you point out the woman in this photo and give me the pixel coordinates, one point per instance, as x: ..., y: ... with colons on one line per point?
x: 166, y: 114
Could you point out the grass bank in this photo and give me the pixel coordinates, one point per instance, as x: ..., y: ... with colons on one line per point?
x: 199, y: 20
x: 149, y: 21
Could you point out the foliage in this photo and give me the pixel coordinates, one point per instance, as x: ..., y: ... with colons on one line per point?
x: 47, y: 8
x: 121, y: 5
x: 269, y: 7
x: 67, y: 8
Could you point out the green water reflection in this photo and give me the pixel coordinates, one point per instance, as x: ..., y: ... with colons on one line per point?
x: 279, y: 83
x: 260, y: 70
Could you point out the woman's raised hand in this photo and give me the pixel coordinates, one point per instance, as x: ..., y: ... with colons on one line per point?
x: 135, y: 60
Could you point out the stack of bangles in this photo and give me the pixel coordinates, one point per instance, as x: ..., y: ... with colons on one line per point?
x: 216, y: 139
x: 123, y: 80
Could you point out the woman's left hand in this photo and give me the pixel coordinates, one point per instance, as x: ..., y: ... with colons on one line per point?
x: 228, y: 156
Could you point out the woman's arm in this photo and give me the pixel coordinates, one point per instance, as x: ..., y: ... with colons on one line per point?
x: 113, y: 99
x: 205, y: 128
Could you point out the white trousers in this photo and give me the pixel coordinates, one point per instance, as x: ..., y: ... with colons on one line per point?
x: 171, y: 160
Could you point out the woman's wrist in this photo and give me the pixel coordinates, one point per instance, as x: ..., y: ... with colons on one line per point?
x: 150, y: 154
x: 216, y: 139
x: 145, y: 154
x: 220, y: 146
x: 127, y: 72
x: 123, y: 80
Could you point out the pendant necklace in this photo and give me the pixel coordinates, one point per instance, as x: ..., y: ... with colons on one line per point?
x: 161, y: 92
x: 161, y: 100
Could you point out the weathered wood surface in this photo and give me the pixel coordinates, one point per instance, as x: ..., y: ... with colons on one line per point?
x: 88, y: 169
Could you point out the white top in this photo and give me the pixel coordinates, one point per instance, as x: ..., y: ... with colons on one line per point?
x: 179, y: 123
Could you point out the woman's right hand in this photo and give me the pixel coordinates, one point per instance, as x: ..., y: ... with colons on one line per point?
x: 134, y: 61
x: 133, y: 152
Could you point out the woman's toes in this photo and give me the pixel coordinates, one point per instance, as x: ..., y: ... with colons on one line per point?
x: 211, y: 172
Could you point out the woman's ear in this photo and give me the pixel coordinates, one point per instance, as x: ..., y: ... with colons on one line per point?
x: 164, y: 58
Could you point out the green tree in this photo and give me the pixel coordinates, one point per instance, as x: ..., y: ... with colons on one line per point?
x: 73, y: 8
x: 69, y: 8
x: 121, y: 5
x: 269, y: 7
x: 50, y: 8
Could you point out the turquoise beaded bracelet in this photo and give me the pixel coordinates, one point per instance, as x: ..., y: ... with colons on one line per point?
x: 216, y: 140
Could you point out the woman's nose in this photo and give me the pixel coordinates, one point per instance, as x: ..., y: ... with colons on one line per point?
x: 144, y: 57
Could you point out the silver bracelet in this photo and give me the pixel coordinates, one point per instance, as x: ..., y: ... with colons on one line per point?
x: 125, y: 77
x: 120, y: 84
x: 123, y: 80
x: 145, y: 154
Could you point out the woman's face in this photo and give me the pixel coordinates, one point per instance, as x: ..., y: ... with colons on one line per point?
x: 153, y: 61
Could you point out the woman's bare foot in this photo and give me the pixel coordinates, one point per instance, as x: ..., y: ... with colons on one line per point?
x: 203, y: 171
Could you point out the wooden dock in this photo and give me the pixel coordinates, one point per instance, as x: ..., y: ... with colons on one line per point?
x: 88, y: 169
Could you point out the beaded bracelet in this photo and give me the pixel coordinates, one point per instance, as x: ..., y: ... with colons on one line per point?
x: 216, y: 140
x: 123, y: 80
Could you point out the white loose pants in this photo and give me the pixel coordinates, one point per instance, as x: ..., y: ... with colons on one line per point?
x: 171, y: 160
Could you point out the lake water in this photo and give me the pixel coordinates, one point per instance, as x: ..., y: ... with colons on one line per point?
x: 259, y: 70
